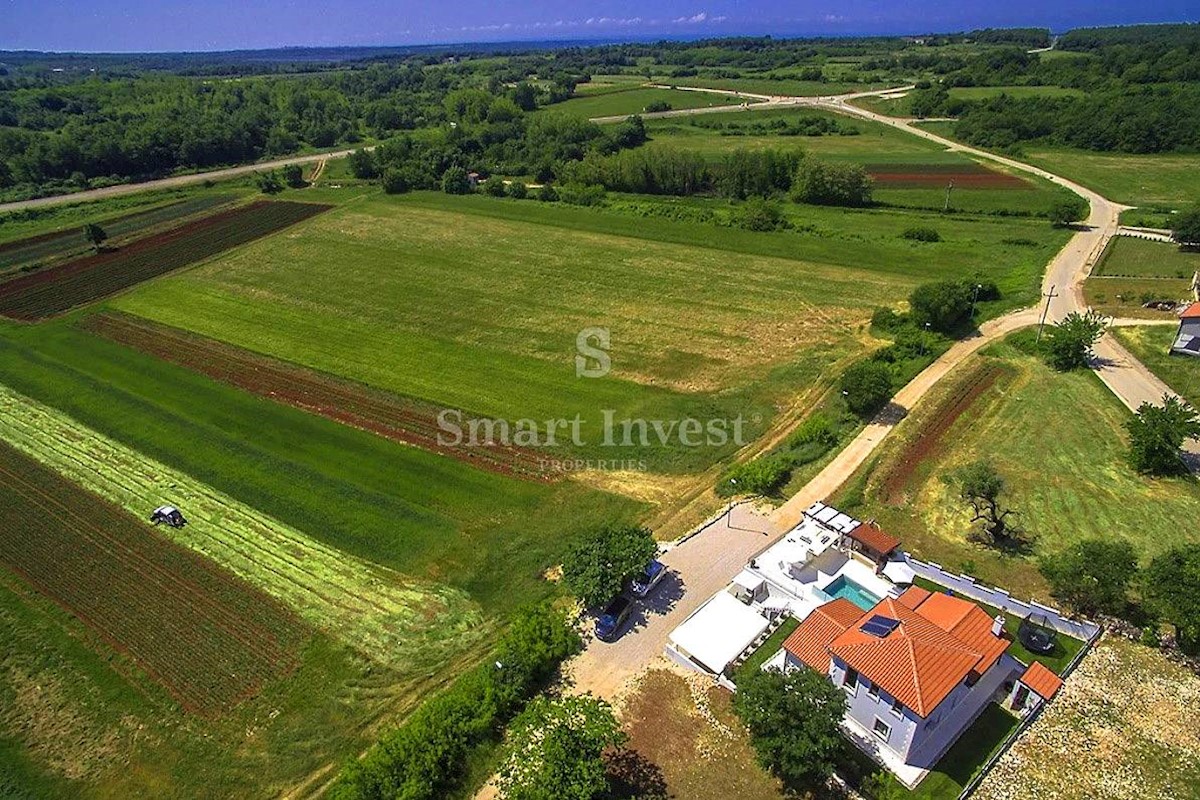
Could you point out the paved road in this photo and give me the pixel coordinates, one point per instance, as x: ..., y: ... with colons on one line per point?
x: 706, y: 562
x: 170, y: 183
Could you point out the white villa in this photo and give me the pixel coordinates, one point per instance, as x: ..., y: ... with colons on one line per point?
x: 918, y: 667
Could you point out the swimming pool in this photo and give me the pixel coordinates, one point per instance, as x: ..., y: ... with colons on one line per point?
x: 844, y: 587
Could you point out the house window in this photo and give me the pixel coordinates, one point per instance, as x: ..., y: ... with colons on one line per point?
x: 873, y: 691
x: 850, y: 683
x: 882, y: 729
x: 897, y: 708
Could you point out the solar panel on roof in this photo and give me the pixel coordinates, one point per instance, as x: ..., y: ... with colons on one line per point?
x: 879, y: 626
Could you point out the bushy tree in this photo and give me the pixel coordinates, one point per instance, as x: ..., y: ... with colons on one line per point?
x: 1069, y: 344
x: 757, y: 214
x: 95, y: 235
x: 867, y: 386
x: 630, y: 133
x: 547, y: 193
x: 1185, y: 227
x: 293, y: 176
x: 1067, y: 210
x: 1156, y: 436
x: 455, y: 181
x: 795, y: 724
x: 1172, y: 589
x: 362, y: 164
x: 981, y: 486
x: 269, y: 183
x: 394, y: 181
x: 943, y: 305
x: 1093, y: 575
x: 556, y: 748
x: 494, y: 187
x: 596, y: 568
x: 517, y: 190
x: 829, y: 184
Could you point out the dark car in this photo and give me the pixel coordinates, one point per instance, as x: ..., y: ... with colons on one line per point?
x: 648, y: 578
x: 613, y: 618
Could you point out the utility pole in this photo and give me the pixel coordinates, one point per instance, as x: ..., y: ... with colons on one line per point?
x: 946, y: 207
x: 975, y: 299
x: 1045, y: 311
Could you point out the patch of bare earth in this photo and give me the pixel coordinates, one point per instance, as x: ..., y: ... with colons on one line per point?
x: 1124, y: 726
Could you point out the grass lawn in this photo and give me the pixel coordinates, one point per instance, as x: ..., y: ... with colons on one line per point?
x: 968, y: 755
x: 1160, y: 179
x: 1123, y: 297
x: 475, y: 302
x: 619, y: 100
x: 769, y: 648
x: 1151, y: 345
x: 1123, y: 726
x: 1130, y: 257
x: 1073, y: 485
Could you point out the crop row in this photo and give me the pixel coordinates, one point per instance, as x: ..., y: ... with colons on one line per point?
x: 388, y: 415
x: 210, y: 639
x: 83, y: 280
x: 62, y: 243
x: 388, y: 616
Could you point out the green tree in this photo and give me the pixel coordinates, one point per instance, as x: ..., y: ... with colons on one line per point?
x: 556, y: 748
x: 942, y: 305
x: 1092, y: 575
x: 455, y: 181
x: 6, y: 176
x: 1067, y: 210
x: 822, y: 183
x: 1185, y: 228
x: 517, y: 190
x: 867, y: 386
x: 547, y: 193
x: 1069, y: 343
x: 269, y: 183
x: 95, y: 235
x: 795, y: 724
x: 362, y: 164
x: 596, y: 568
x: 981, y: 486
x: 1156, y: 436
x: 758, y: 214
x: 494, y: 187
x: 293, y: 176
x: 525, y: 96
x: 1172, y: 589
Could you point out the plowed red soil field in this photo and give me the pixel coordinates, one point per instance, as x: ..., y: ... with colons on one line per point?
x: 398, y: 418
x: 84, y: 280
x: 208, y: 638
x: 923, y: 176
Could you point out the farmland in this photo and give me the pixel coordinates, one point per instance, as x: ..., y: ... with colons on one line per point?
x: 84, y: 280
x: 1134, y: 271
x: 1070, y: 486
x: 616, y: 101
x: 208, y: 638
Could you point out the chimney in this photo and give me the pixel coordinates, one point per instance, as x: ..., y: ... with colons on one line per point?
x: 998, y: 625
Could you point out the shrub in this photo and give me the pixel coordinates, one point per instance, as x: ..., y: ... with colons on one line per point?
x: 362, y: 164
x: 763, y: 476
x: 582, y: 195
x: 494, y: 187
x: 657, y: 106
x: 517, y: 190
x: 822, y: 183
x: 1067, y: 210
x: 757, y: 214
x: 394, y: 182
x: 943, y: 305
x: 1185, y: 227
x: 547, y: 193
x: 885, y: 320
x: 293, y: 176
x: 455, y: 181
x: 922, y: 234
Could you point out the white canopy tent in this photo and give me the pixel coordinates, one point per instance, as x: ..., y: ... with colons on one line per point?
x: 717, y: 632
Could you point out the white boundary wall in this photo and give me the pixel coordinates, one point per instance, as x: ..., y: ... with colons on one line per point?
x: 967, y: 586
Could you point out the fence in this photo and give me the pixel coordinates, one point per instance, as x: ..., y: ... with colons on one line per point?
x: 969, y: 587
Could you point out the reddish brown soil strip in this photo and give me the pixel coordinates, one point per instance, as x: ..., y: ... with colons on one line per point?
x: 391, y: 416
x: 84, y: 280
x: 204, y: 635
x: 920, y: 176
x: 930, y: 440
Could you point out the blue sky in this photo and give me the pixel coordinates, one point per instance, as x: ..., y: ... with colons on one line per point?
x: 141, y: 25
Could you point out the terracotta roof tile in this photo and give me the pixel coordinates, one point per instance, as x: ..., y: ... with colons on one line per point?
x: 1191, y: 312
x: 1042, y: 681
x: 810, y: 642
x: 913, y: 596
x: 874, y: 538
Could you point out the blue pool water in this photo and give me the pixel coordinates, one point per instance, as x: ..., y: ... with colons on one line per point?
x: 844, y: 587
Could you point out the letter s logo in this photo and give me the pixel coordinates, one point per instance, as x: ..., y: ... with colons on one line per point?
x: 592, y: 354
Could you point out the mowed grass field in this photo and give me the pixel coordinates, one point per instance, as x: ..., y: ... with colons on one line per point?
x: 476, y: 303
x: 1151, y: 345
x: 1133, y: 271
x: 1070, y: 486
x: 875, y: 145
x: 618, y: 100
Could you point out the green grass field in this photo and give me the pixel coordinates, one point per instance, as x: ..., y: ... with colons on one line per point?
x: 984, y: 92
x: 1073, y: 485
x: 1148, y: 181
x: 1151, y: 345
x: 1131, y: 257
x: 763, y: 84
x: 1134, y: 271
x: 620, y: 100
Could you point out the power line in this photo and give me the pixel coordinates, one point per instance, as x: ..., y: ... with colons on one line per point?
x: 1050, y: 295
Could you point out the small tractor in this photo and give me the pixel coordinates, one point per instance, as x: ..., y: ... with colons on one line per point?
x: 168, y: 515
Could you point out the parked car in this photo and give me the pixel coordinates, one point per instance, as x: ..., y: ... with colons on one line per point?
x: 648, y: 578
x: 613, y: 618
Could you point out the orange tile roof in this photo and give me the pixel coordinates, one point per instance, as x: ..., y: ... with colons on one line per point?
x: 913, y: 596
x: 874, y: 538
x: 1041, y: 680
x: 934, y: 648
x: 1191, y: 312
x: 810, y: 642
